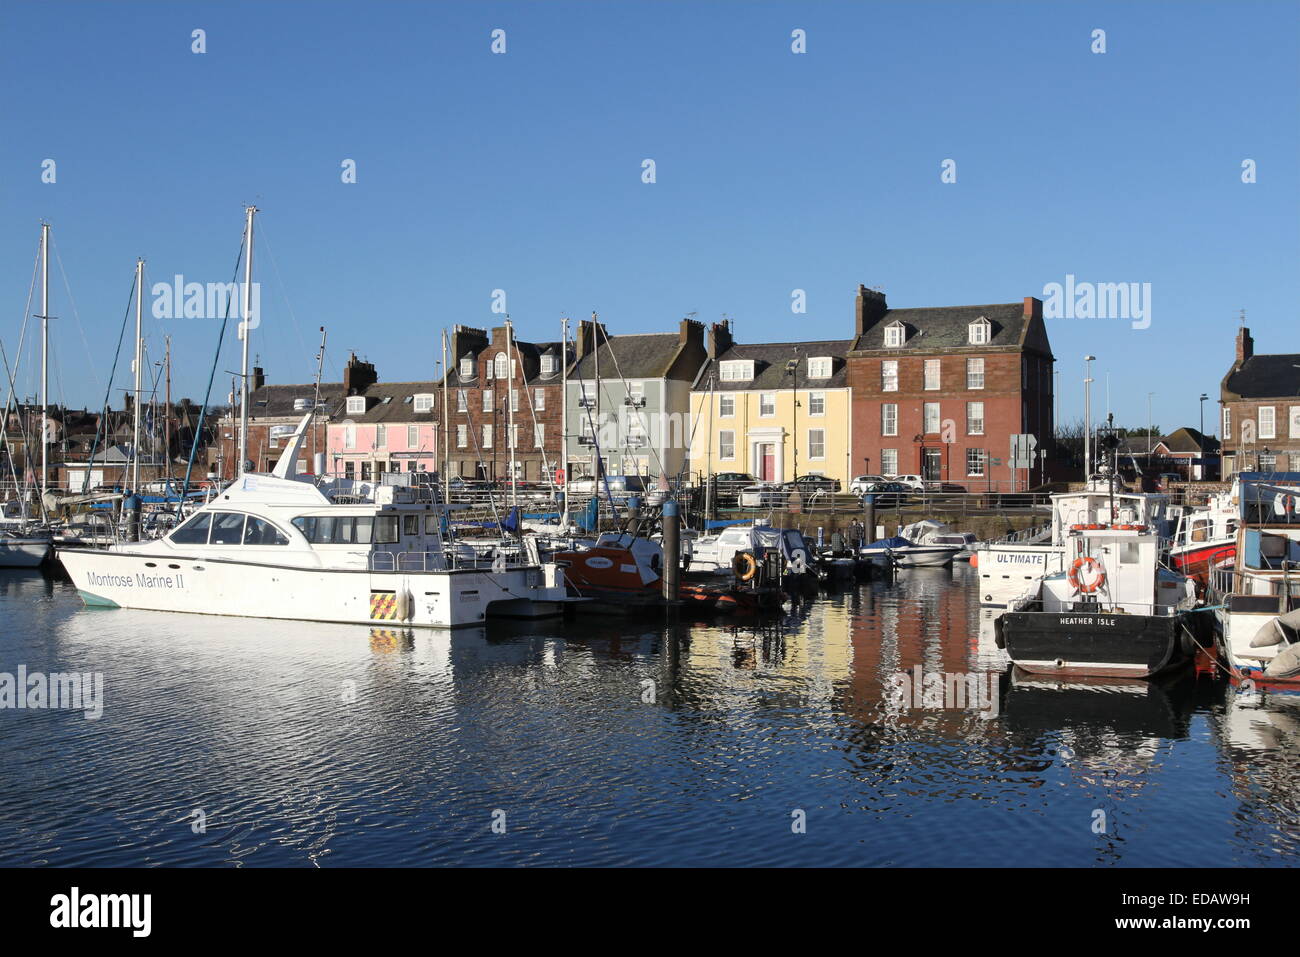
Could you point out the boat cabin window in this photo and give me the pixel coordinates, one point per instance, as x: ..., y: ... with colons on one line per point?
x: 335, y: 530
x: 193, y: 532
x: 227, y: 528
x: 260, y: 532
x: 386, y: 529
x: 410, y: 525
x: 431, y: 525
x: 1200, y: 530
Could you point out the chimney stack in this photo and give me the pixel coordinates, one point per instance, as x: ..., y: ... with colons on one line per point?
x: 258, y: 379
x: 871, y: 308
x: 1245, y: 345
x: 358, y: 375
x: 719, y: 338
x: 1033, y: 308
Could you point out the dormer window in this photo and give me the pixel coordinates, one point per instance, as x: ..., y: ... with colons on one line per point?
x: 895, y: 335
x: 548, y: 364
x: 820, y: 368
x: 356, y: 405
x: 737, y: 370
x: 467, y: 367
x: 978, y: 332
x: 423, y: 403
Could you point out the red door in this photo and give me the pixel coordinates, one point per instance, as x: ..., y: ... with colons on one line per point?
x: 769, y: 463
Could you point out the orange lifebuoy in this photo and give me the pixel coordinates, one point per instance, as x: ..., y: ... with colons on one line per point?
x: 744, y: 565
x: 1131, y: 528
x: 1090, y: 528
x: 1096, y: 577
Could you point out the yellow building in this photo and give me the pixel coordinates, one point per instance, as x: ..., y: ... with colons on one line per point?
x: 774, y: 410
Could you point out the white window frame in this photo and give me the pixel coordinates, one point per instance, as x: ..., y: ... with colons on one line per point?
x: 462, y: 436
x: 821, y: 367
x: 931, y: 413
x: 349, y: 436
x: 1293, y: 420
x: 487, y: 435
x: 726, y: 445
x: 736, y: 370
x: 539, y: 400
x: 888, y: 375
x: 981, y: 457
x: 381, y: 436
x: 501, y: 366
x: 489, y: 401
x: 467, y: 368
x: 726, y: 406
x: 817, y: 403
x: 888, y: 462
x: 975, y: 372
x: 889, y: 418
x: 548, y: 364
x: 814, y: 444
x: 1271, y: 431
x: 539, y: 436
x: 356, y: 405
x: 935, y: 382
x: 422, y: 403
x: 763, y: 400
x: 462, y: 400
x: 979, y: 332
x: 412, y: 436
x: 1227, y: 424
x: 974, y: 424
x: 895, y: 335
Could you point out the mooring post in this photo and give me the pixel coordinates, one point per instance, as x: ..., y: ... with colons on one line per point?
x: 869, y: 516
x: 672, y: 550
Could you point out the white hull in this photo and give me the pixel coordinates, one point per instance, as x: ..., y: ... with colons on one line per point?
x: 917, y: 556
x: 1008, y: 571
x: 23, y: 553
x: 435, y: 599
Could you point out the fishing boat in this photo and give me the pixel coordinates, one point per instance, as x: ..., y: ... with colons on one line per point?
x: 1006, y: 568
x: 1256, y: 592
x: 279, y: 546
x: 1205, y: 536
x: 1114, y: 611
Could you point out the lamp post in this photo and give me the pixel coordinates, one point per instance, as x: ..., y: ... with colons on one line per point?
x: 1087, y: 417
x: 1201, y: 433
x: 792, y: 370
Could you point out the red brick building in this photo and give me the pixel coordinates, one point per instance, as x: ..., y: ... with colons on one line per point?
x: 1260, y: 411
x: 486, y: 390
x: 938, y: 392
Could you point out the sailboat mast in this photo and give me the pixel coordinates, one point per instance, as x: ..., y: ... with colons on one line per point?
x: 244, y: 332
x: 167, y: 408
x: 510, y: 416
x: 446, y: 424
x: 45, y: 356
x: 315, y: 407
x: 564, y: 415
x: 138, y: 365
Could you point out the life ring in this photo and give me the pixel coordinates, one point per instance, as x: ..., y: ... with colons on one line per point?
x: 744, y: 565
x: 1131, y: 528
x: 1091, y: 528
x: 1096, y: 575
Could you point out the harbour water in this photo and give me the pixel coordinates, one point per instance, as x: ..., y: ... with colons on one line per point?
x: 620, y: 741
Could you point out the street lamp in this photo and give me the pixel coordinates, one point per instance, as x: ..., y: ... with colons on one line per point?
x: 1087, y: 417
x: 1201, y: 443
x: 792, y: 370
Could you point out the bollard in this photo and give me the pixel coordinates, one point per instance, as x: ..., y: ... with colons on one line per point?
x: 131, y: 513
x: 672, y: 551
x: 869, y: 517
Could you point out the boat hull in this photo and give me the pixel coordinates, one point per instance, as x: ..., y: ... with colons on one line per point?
x: 1094, y: 643
x: 441, y: 599
x: 23, y: 553
x: 1196, y: 562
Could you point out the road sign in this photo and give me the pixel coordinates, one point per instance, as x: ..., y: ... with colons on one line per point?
x: 1022, y: 451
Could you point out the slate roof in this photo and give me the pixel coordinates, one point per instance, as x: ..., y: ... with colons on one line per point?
x: 400, y: 404
x: 276, y: 401
x: 1266, y: 377
x: 770, y: 359
x: 946, y: 328
x: 1184, y: 441
x: 639, y: 356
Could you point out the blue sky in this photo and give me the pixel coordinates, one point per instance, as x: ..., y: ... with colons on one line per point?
x: 775, y: 172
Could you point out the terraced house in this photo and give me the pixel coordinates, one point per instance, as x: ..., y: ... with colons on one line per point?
x: 938, y: 392
x: 773, y: 410
x: 1260, y: 403
x: 499, y: 400
x: 630, y: 399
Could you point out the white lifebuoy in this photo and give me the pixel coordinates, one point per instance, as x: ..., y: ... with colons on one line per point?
x: 1086, y: 575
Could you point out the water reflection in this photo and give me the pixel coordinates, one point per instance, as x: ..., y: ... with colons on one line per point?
x: 622, y: 741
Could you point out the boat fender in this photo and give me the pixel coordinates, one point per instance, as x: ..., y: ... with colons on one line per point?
x: 1268, y: 635
x: 403, y: 609
x: 1285, y: 664
x: 744, y: 566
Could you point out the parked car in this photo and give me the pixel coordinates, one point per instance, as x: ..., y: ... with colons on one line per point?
x: 764, y: 495
x: 621, y: 488
x: 809, y: 485
x: 911, y: 481
x: 858, y: 484
x: 726, y: 486
x: 945, y: 487
x: 889, y: 494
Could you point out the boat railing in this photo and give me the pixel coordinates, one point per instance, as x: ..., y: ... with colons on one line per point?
x: 1032, y: 535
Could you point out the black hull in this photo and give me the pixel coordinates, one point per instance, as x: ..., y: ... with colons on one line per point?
x: 1094, y: 643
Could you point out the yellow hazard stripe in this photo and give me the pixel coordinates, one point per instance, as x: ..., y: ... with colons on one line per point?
x: 383, y: 605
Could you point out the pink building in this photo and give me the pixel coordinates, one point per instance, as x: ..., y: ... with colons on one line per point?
x: 386, y: 427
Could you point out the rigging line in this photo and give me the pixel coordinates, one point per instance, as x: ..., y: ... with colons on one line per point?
x: 628, y: 389
x: 196, y: 432
x: 22, y: 431
x: 108, y: 390
x: 11, y: 399
x: 496, y: 517
x: 81, y: 331
x: 297, y: 329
